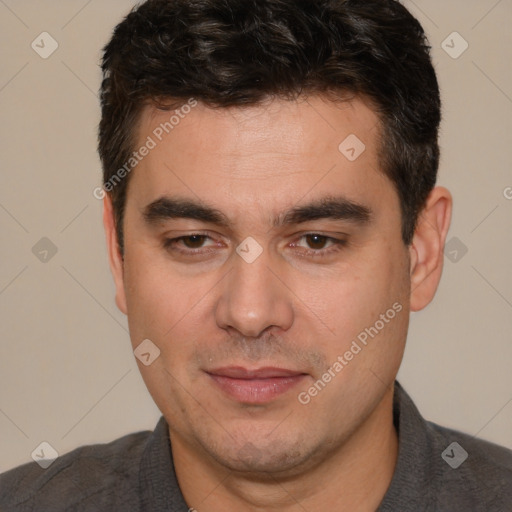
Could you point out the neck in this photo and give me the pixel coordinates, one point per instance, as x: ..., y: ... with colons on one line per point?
x: 354, y: 477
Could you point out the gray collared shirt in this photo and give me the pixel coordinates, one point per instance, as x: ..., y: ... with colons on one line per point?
x: 136, y: 473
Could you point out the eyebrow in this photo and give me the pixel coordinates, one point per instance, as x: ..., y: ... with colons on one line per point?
x: 332, y: 207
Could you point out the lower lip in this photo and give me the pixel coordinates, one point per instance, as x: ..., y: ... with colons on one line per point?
x: 256, y: 391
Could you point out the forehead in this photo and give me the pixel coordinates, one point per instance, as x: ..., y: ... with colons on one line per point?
x: 303, y: 126
x: 270, y: 154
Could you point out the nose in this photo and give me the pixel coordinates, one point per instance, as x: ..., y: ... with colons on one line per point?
x: 254, y: 297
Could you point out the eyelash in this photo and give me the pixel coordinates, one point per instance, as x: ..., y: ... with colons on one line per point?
x: 338, y: 244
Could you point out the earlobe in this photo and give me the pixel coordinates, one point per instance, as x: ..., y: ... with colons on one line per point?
x: 114, y: 256
x: 426, y: 250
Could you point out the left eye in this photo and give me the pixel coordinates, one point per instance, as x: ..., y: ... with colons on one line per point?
x: 316, y: 244
x: 315, y: 241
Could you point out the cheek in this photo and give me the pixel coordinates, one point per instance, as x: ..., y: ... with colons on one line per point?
x: 170, y: 309
x: 153, y: 300
x: 348, y: 306
x: 351, y: 298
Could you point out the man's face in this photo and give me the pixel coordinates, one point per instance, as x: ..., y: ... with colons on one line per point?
x: 217, y: 314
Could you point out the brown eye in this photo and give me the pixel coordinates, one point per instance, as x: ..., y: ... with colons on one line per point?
x: 317, y: 245
x: 193, y: 244
x: 193, y: 241
x: 316, y: 241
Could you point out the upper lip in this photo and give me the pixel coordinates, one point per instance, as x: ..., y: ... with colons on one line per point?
x: 238, y: 372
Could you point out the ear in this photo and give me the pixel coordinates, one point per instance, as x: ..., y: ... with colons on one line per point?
x: 427, y: 247
x: 114, y: 255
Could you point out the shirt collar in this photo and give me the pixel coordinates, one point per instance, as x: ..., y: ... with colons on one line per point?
x: 412, y: 485
x: 157, y: 478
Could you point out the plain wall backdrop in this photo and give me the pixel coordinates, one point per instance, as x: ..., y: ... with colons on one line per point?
x: 67, y: 372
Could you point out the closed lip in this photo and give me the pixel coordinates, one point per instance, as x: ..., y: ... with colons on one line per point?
x: 239, y: 372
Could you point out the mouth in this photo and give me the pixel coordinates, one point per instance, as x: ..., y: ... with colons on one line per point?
x: 257, y: 386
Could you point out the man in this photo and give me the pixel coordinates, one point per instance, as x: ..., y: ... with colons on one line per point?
x: 272, y: 219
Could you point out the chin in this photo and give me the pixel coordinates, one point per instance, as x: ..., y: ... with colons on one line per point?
x: 257, y: 460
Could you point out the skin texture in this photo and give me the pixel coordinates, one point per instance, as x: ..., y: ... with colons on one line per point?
x: 289, y: 308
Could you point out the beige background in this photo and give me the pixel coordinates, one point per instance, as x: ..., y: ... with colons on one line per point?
x: 67, y: 373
